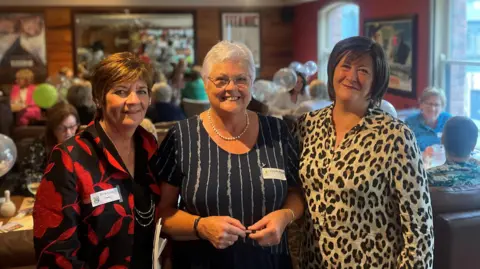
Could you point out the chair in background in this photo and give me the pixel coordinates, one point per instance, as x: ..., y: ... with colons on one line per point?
x: 162, y: 129
x: 194, y: 107
x: 456, y: 223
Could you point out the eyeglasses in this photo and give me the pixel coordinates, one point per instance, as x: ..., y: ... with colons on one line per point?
x: 434, y: 105
x: 63, y: 128
x: 222, y: 82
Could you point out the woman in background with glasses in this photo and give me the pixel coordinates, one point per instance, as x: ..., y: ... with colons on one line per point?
x: 62, y: 123
x: 428, y: 123
x: 235, y: 171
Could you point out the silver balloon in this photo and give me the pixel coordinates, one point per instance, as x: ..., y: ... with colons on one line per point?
x: 389, y: 108
x: 8, y: 154
x: 295, y: 66
x: 264, y: 90
x: 310, y: 68
x: 286, y: 78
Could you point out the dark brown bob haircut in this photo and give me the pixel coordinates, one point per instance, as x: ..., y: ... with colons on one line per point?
x: 354, y: 48
x: 118, y: 68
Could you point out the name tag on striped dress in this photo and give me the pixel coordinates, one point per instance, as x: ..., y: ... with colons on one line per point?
x: 273, y: 173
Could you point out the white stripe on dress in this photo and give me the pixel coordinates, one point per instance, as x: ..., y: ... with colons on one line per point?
x: 199, y: 166
x: 208, y: 176
x: 189, y: 165
x: 229, y: 185
x: 218, y: 180
x: 262, y: 130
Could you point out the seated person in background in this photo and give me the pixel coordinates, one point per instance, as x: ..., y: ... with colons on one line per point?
x: 320, y: 99
x: 21, y: 98
x: 80, y: 96
x: 428, y: 123
x: 194, y: 88
x: 62, y: 123
x: 162, y: 110
x: 257, y: 106
x: 459, y: 138
x: 149, y: 126
x: 286, y: 103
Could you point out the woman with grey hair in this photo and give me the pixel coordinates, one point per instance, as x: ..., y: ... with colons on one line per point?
x: 80, y: 96
x: 319, y: 94
x: 235, y: 171
x: 162, y: 109
x: 428, y: 123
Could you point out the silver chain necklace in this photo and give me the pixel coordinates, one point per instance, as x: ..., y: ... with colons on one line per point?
x: 233, y: 138
x: 146, y: 215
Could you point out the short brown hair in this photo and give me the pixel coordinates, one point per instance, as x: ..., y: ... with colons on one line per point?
x: 55, y: 115
x: 118, y: 68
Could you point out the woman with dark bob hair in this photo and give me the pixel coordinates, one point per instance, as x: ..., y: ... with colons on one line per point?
x: 95, y: 207
x: 362, y: 172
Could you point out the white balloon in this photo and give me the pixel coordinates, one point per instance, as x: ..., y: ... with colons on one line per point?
x: 286, y: 78
x: 8, y: 154
x: 389, y: 108
x: 264, y: 90
x: 295, y: 66
x: 310, y: 68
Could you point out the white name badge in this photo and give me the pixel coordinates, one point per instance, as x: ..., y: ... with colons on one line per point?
x: 273, y: 173
x: 106, y: 196
x: 439, y: 135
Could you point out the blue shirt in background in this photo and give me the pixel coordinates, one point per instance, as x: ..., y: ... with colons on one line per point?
x: 426, y: 135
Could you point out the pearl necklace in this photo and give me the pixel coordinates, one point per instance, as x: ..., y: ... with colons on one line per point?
x: 233, y: 138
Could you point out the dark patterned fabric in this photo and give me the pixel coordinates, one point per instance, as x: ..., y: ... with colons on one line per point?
x: 68, y: 231
x: 455, y: 174
x: 35, y: 160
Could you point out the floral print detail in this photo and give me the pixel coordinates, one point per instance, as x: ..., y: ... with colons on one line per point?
x: 68, y: 231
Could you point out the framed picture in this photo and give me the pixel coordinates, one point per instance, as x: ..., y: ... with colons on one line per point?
x: 243, y: 27
x: 398, y: 37
x: 22, y: 45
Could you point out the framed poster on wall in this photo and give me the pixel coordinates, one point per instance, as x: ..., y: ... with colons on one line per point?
x: 22, y: 45
x: 243, y: 27
x: 398, y: 38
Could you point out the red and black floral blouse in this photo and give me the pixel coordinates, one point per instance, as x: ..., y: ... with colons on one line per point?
x: 69, y: 232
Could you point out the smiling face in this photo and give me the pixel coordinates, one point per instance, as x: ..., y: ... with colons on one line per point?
x: 352, y: 80
x: 431, y: 108
x: 126, y: 104
x: 228, y: 87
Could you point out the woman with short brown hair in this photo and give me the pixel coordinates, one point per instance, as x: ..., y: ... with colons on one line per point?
x: 62, y: 123
x: 95, y: 206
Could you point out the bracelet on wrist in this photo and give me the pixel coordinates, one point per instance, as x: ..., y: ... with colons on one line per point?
x: 195, y: 227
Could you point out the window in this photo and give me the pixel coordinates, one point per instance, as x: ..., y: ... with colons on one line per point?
x: 336, y: 21
x: 456, y: 55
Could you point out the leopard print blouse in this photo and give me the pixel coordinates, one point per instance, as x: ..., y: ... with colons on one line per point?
x: 368, y: 204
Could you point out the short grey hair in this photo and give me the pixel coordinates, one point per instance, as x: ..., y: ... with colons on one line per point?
x: 228, y: 51
x: 162, y: 92
x: 80, y: 94
x: 318, y: 90
x: 433, y: 91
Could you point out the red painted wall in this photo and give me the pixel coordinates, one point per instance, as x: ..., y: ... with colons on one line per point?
x: 305, y: 34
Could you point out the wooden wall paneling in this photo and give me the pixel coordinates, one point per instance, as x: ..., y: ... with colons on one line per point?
x: 207, y: 21
x: 58, y: 24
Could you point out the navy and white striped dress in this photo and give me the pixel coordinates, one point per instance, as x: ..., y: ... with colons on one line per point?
x: 214, y: 182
